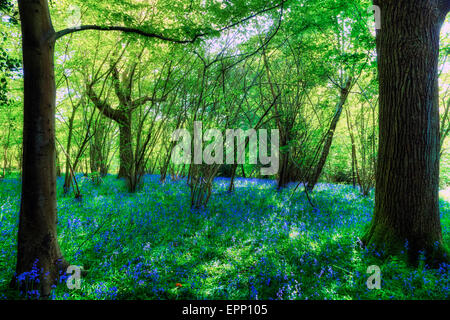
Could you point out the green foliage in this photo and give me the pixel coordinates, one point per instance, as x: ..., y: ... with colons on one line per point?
x: 445, y: 172
x: 255, y: 242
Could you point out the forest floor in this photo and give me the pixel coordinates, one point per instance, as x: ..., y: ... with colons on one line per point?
x: 253, y: 244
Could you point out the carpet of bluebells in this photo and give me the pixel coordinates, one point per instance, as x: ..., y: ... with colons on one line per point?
x: 255, y: 243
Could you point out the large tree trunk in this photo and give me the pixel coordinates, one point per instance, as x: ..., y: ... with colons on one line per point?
x: 407, y: 176
x: 125, y: 149
x: 314, y: 178
x: 37, y: 241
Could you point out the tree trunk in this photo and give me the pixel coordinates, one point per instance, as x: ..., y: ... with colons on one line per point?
x: 99, y: 147
x: 283, y: 176
x: 407, y: 176
x: 68, y: 172
x: 125, y: 150
x: 37, y: 241
x: 326, y: 148
x: 233, y: 175
x: 355, y: 169
x: 58, y: 165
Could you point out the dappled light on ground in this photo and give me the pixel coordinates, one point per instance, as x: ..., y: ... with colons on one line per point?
x: 255, y: 243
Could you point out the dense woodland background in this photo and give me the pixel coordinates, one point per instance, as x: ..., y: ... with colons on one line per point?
x: 306, y: 68
x: 310, y: 57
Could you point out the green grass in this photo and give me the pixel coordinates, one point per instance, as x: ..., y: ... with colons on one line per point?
x: 254, y: 244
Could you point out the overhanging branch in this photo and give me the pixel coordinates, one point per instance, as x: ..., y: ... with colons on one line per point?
x: 67, y: 31
x: 64, y: 32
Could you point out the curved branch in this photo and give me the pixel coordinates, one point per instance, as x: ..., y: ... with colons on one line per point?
x: 104, y: 107
x: 67, y: 31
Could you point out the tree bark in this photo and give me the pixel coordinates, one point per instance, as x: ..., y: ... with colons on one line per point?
x: 233, y: 175
x: 284, y: 174
x: 99, y: 150
x: 125, y: 150
x: 68, y: 173
x: 407, y: 176
x: 58, y: 165
x: 37, y: 241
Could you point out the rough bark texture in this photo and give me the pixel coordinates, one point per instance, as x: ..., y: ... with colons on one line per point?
x: 37, y: 243
x: 126, y: 151
x: 407, y: 177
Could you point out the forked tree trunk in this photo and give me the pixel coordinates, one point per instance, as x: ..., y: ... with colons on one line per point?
x: 37, y: 243
x: 407, y: 176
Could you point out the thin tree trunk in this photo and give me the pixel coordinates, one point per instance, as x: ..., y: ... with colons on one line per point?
x: 233, y: 175
x: 58, y: 165
x: 326, y: 148
x: 283, y: 176
x: 355, y: 169
x: 68, y: 172
x: 407, y: 177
